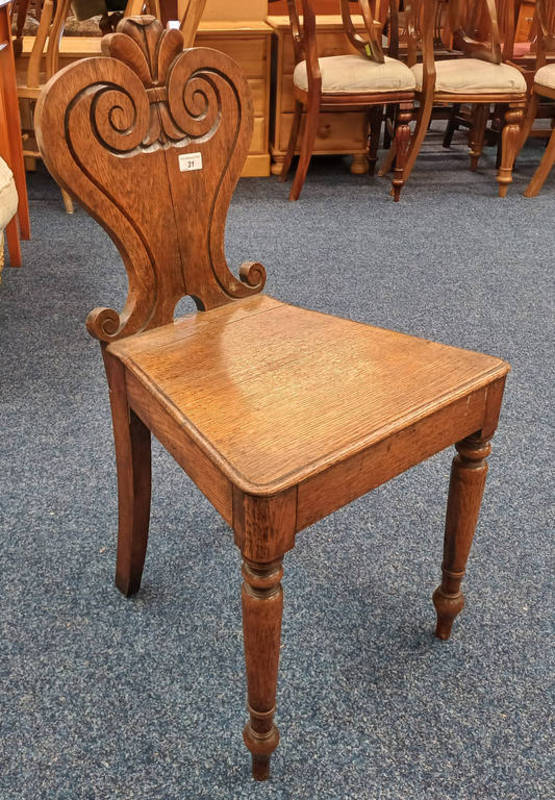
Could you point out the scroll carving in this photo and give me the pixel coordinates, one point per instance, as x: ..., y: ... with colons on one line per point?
x: 112, y: 130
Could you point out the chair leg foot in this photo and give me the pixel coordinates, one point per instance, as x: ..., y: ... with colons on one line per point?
x: 510, y: 140
x: 468, y: 478
x: 260, y: 767
x: 262, y: 600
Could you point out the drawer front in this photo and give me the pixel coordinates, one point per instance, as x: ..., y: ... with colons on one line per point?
x: 259, y: 96
x: 259, y: 142
x: 345, y: 132
x: 250, y: 53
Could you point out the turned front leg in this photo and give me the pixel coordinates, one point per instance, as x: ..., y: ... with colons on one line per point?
x: 262, y: 598
x: 468, y: 478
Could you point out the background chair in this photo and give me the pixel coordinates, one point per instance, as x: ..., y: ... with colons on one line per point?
x: 10, y: 147
x: 478, y: 78
x: 8, y: 207
x: 280, y: 415
x: 349, y: 82
x: 544, y: 86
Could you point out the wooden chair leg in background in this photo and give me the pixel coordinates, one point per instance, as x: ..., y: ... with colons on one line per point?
x: 312, y: 116
x: 389, y: 160
x: 402, y: 140
x: 133, y: 459
x: 262, y: 601
x: 477, y: 133
x: 468, y: 478
x: 375, y: 117
x: 544, y: 168
x: 422, y: 123
x: 452, y: 125
x: 529, y: 119
x: 14, y: 246
x: 511, y: 137
x: 293, y: 137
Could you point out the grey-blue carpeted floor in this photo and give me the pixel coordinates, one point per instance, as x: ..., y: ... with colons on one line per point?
x: 144, y: 699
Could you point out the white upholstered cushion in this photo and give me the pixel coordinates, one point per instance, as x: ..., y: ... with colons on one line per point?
x: 545, y: 76
x: 473, y: 76
x: 352, y: 74
x: 8, y: 195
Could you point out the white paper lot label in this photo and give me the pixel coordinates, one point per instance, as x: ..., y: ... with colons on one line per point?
x: 189, y: 162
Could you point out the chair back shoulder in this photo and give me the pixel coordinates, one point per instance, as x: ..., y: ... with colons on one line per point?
x: 151, y: 140
x: 472, y: 27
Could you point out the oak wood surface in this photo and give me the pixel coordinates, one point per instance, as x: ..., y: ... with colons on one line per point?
x: 274, y: 409
x: 279, y: 414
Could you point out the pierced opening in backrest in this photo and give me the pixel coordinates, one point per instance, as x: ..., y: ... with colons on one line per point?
x: 186, y: 306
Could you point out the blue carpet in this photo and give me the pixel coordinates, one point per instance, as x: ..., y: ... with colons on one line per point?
x: 144, y: 699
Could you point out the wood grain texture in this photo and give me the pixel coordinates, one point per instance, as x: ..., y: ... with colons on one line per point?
x: 132, y: 446
x: 267, y: 367
x: 171, y: 104
x: 280, y: 415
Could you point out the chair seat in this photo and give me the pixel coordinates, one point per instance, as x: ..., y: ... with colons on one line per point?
x: 8, y: 195
x: 354, y: 74
x: 274, y: 394
x: 473, y: 76
x: 545, y: 76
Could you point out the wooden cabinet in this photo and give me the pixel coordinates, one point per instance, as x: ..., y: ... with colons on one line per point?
x: 345, y: 132
x: 248, y: 43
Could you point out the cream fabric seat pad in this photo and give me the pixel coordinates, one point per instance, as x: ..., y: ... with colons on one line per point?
x: 8, y: 195
x: 352, y: 74
x: 546, y: 76
x: 473, y: 76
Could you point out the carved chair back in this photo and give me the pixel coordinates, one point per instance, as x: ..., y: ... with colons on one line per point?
x: 473, y: 26
x: 544, y: 31
x: 151, y: 140
x: 49, y: 32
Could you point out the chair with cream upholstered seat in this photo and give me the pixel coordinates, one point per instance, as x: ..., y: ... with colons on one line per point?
x: 359, y: 80
x: 479, y: 77
x: 544, y: 86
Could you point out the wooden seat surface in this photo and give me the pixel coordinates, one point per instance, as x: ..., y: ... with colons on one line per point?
x: 274, y: 393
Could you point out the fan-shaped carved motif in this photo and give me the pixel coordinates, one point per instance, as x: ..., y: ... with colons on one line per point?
x: 120, y: 132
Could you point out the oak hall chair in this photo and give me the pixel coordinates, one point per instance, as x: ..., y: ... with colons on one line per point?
x: 479, y: 78
x: 543, y: 86
x: 363, y: 80
x: 280, y: 415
